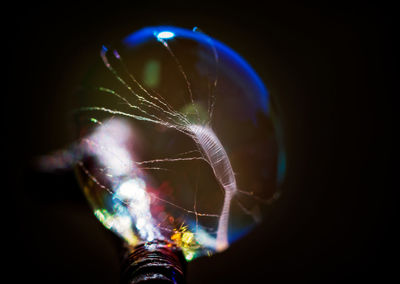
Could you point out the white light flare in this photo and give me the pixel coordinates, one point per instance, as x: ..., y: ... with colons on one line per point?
x: 133, y: 193
x: 165, y: 35
x: 110, y: 146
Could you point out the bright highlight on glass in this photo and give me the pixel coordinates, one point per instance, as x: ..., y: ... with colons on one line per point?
x: 177, y: 142
x: 165, y: 35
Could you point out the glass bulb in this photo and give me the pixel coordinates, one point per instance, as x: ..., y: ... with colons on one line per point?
x: 177, y: 141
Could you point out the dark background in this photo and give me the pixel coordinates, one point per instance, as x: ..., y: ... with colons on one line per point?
x: 330, y: 68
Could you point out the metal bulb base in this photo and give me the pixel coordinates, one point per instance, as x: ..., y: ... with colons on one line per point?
x: 153, y: 262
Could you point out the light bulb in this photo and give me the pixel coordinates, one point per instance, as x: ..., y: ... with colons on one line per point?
x: 179, y: 146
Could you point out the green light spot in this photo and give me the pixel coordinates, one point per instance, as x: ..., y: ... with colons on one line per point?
x: 151, y: 73
x: 189, y: 255
x: 195, y: 113
x: 94, y: 120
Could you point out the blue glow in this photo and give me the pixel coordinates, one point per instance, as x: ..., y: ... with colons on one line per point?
x: 165, y: 35
x: 235, y: 234
x: 224, y: 51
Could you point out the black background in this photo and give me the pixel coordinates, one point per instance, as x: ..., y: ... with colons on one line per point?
x: 330, y: 68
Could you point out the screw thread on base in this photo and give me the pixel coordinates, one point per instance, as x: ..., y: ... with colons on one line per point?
x: 153, y: 262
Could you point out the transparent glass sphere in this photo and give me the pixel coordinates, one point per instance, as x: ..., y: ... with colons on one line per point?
x: 176, y: 141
